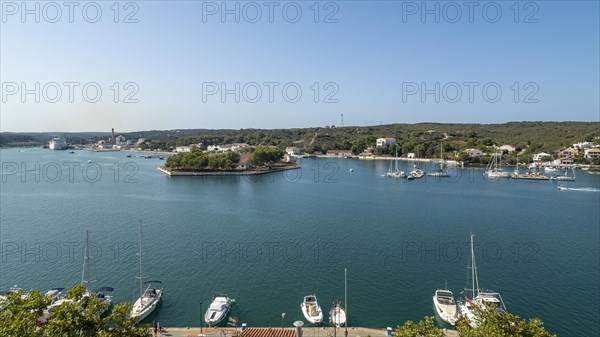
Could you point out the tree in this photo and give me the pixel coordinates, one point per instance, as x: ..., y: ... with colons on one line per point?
x: 18, y: 315
x: 79, y: 316
x: 424, y: 328
x: 494, y: 324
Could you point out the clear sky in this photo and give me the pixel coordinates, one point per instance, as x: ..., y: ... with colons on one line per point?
x: 372, y: 60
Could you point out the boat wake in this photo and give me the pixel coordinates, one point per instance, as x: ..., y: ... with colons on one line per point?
x: 581, y: 189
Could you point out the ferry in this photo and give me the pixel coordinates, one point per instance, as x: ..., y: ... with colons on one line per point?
x: 58, y: 144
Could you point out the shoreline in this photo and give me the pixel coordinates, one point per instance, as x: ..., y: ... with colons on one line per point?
x: 170, y: 173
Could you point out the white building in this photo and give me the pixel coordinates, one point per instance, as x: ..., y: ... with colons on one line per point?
x: 474, y: 152
x: 540, y: 156
x: 293, y: 151
x: 182, y: 149
x: 383, y: 142
x: 583, y: 145
x: 121, y: 140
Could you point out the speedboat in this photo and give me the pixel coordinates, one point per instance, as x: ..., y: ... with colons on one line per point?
x: 416, y: 174
x: 337, y: 315
x: 311, y: 309
x: 218, y: 309
x: 562, y: 187
x: 445, y: 306
x: 148, y: 301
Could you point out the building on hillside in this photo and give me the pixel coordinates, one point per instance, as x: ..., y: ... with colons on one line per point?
x: 583, y: 145
x: 508, y: 148
x: 568, y: 156
x: 592, y: 154
x: 383, y: 142
x: 293, y: 151
x: 540, y: 156
x: 474, y: 152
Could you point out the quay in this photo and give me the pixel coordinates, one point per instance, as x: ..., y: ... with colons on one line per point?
x: 279, y: 332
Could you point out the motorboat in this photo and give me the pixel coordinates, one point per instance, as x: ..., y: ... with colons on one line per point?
x: 445, y: 306
x: 218, y: 310
x: 311, y: 309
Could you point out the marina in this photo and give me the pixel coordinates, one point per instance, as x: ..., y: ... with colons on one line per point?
x: 185, y: 248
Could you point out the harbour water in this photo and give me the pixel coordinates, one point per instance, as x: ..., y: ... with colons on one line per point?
x: 268, y: 241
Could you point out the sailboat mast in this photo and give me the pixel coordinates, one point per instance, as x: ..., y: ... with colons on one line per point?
x: 86, y: 258
x: 472, y: 269
x: 346, y: 301
x: 140, y: 255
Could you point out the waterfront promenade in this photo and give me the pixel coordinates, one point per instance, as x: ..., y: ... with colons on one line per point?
x: 278, y: 332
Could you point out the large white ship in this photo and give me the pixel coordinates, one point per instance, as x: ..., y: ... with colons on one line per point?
x: 58, y: 144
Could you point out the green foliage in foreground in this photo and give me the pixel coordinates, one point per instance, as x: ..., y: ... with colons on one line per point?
x: 79, y: 317
x: 199, y: 160
x: 492, y: 324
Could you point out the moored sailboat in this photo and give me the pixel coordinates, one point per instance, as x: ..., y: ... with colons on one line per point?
x: 149, y: 297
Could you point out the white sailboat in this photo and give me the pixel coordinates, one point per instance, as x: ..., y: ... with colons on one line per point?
x: 100, y: 293
x: 564, y: 177
x: 395, y: 173
x: 480, y: 299
x: 445, y: 306
x: 149, y: 297
x: 311, y: 309
x: 494, y: 167
x: 337, y: 315
x: 218, y: 309
x: 441, y: 172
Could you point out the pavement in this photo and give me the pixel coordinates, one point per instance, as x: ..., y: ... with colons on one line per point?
x: 307, y: 332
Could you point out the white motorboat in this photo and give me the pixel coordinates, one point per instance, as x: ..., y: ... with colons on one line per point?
x: 337, y: 315
x: 149, y: 297
x: 218, y: 310
x: 311, y: 309
x: 562, y: 187
x: 445, y: 306
x: 416, y: 174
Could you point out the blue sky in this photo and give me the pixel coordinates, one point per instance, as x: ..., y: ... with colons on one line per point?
x: 376, y: 59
